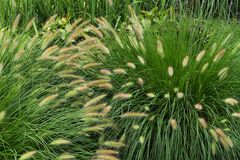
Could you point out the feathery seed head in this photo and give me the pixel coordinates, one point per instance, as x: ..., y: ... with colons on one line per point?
x: 198, y: 106
x: 122, y: 96
x: 113, y: 144
x: 141, y: 60
x: 1, y: 68
x: 200, y: 55
x: 173, y: 123
x: 135, y: 127
x: 133, y: 115
x: 140, y: 81
x: 131, y: 65
x: 213, y: 148
x: 105, y: 72
x: 91, y: 65
x: 109, y: 2
x: 141, y: 139
x: 213, y: 134
x: 160, y: 49
x: 2, y: 115
x: 203, y: 122
x: 106, y: 152
x: 234, y: 115
x: 27, y: 155
x: 180, y: 95
x: 170, y: 71
x: 185, y: 61
x: 106, y: 110
x: 205, y: 66
x: 151, y: 95
x: 176, y: 90
x: 231, y: 101
x: 223, y: 73
x: 48, y: 99
x: 106, y: 86
x: 219, y: 55
x: 60, y: 141
x: 119, y: 71
x: 95, y: 100
x: 167, y: 96
x: 128, y: 84
x: 66, y: 156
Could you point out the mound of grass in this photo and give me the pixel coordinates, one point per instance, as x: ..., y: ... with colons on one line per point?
x: 38, y: 119
x: 172, y: 87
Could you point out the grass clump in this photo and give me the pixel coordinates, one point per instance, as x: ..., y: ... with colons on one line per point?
x: 172, y: 87
x: 38, y: 117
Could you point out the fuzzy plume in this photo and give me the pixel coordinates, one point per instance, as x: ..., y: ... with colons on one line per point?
x: 60, y: 141
x: 170, y: 71
x: 27, y: 155
x: 231, y: 101
x: 95, y: 100
x: 185, y: 61
x: 48, y: 99
x: 133, y: 114
x: 122, y: 96
x: 200, y: 55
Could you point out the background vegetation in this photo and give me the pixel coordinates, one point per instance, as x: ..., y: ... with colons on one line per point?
x: 114, y: 11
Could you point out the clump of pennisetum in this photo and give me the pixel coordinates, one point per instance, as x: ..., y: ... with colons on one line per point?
x: 54, y: 93
x: 129, y: 84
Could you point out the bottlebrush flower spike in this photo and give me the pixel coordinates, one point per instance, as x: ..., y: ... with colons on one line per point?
x: 200, y: 56
x: 105, y: 72
x: 2, y: 115
x: 113, y: 144
x: 60, y: 141
x: 135, y: 127
x: 203, y: 122
x: 176, y: 90
x: 231, y: 101
x: 28, y: 155
x: 223, y: 73
x: 173, y: 123
x: 131, y: 65
x: 151, y: 95
x: 214, y: 134
x: 185, y: 61
x: 95, y: 100
x: 48, y: 99
x: 141, y: 60
x: 234, y: 115
x: 109, y: 2
x: 160, y: 49
x: 141, y: 139
x: 1, y: 68
x: 133, y: 114
x: 198, y: 106
x: 140, y: 81
x: 16, y: 22
x: 180, y: 95
x: 205, y: 66
x: 119, y: 71
x: 107, y: 151
x: 170, y: 71
x: 106, y: 157
x: 167, y: 96
x: 91, y: 65
x: 66, y: 156
x: 219, y: 55
x: 122, y: 96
